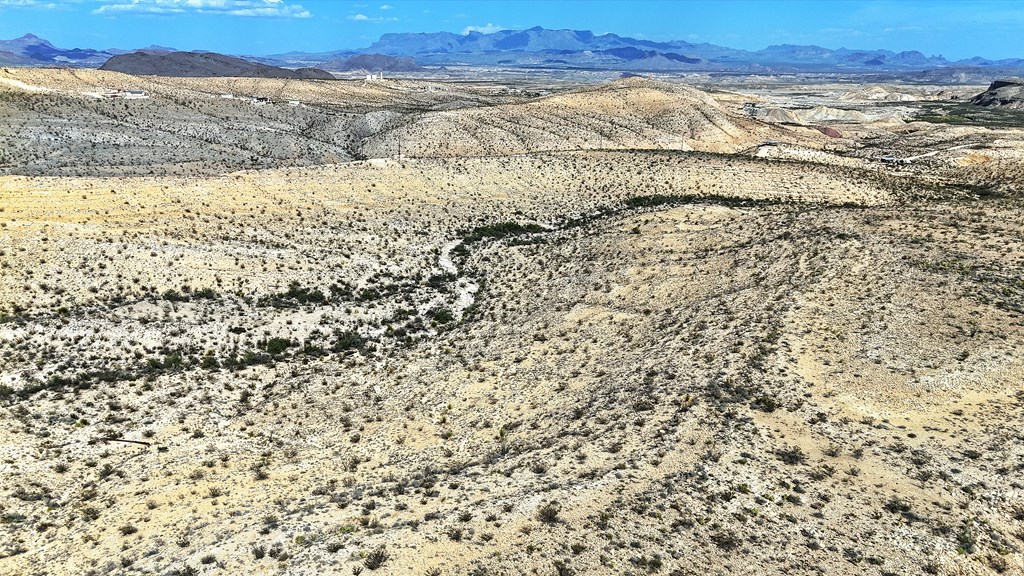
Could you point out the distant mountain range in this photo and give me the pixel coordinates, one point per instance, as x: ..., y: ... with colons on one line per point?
x: 581, y: 48
x: 31, y: 50
x: 540, y: 47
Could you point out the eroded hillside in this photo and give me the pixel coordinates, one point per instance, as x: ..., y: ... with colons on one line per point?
x: 632, y: 113
x: 64, y: 123
x: 584, y: 361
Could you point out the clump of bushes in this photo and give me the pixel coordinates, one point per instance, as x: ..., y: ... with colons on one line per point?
x: 501, y: 230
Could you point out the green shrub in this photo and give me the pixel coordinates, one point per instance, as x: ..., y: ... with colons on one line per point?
x: 501, y: 230
x: 347, y: 340
x: 277, y: 346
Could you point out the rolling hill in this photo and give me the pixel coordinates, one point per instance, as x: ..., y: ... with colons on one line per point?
x: 203, y: 64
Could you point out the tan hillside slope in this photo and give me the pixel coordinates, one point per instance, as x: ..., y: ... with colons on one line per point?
x: 341, y: 92
x: 632, y: 113
x: 564, y: 184
x: 73, y: 122
x: 769, y: 388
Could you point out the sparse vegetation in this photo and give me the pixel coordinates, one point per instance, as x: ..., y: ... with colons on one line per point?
x: 610, y: 356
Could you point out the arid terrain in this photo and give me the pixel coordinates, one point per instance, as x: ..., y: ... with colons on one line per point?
x: 647, y: 326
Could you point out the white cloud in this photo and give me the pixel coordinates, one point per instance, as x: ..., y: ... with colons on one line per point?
x: 385, y: 7
x: 136, y: 8
x: 486, y: 29
x: 907, y: 29
x: 375, y: 20
x: 294, y: 11
x: 245, y: 8
x: 32, y: 4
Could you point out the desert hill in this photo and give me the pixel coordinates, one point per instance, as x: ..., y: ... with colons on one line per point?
x: 8, y: 58
x: 627, y: 113
x: 561, y: 363
x: 374, y: 63
x: 202, y: 64
x: 574, y: 327
x: 1005, y: 93
x: 344, y: 120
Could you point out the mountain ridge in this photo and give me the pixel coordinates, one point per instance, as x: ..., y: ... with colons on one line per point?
x: 551, y: 48
x: 580, y: 46
x: 203, y: 64
x: 31, y: 50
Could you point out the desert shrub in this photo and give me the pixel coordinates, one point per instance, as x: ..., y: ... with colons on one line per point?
x: 726, y: 540
x: 548, y: 513
x: 170, y: 361
x: 376, y: 558
x: 562, y: 568
x: 766, y: 403
x: 367, y: 294
x: 173, y: 295
x: 967, y: 539
x: 209, y: 361
x: 296, y: 295
x: 347, y: 340
x: 791, y: 455
x: 654, y: 200
x: 277, y: 346
x: 442, y: 315
x: 501, y: 230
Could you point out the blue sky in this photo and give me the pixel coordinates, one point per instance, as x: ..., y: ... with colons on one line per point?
x: 954, y: 28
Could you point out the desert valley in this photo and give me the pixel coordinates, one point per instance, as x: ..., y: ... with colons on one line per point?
x: 483, y: 322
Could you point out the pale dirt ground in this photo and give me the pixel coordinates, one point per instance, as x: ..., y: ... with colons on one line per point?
x: 811, y: 366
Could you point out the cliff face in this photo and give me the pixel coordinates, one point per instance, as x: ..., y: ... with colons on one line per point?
x: 1004, y: 93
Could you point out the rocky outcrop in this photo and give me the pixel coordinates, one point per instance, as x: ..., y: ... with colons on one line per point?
x: 1004, y: 93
